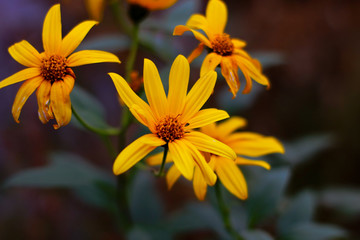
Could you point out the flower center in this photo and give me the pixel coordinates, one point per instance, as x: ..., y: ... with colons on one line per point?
x: 169, y: 129
x: 222, y: 44
x: 54, y: 68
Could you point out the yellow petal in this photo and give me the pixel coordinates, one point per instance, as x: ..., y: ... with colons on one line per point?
x: 207, y: 116
x: 182, y: 158
x: 208, y: 144
x: 231, y: 177
x: 198, y: 95
x: 253, y: 144
x: 252, y: 69
x: 216, y: 15
x: 260, y: 163
x: 204, y: 167
x: 60, y: 103
x: 178, y: 84
x: 52, y: 35
x: 180, y: 29
x: 72, y: 40
x: 43, y: 99
x: 154, y: 89
x: 91, y: 56
x: 172, y: 176
x: 229, y: 71
x: 211, y: 61
x: 210, y: 130
x: 198, y: 21
x: 153, y: 4
x: 26, y: 89
x: 20, y: 76
x: 156, y: 159
x: 248, y: 85
x: 230, y: 125
x: 24, y: 53
x: 95, y: 8
x: 136, y: 151
x: 129, y: 96
x: 142, y: 117
x: 199, y: 184
x: 196, y: 52
x: 238, y: 43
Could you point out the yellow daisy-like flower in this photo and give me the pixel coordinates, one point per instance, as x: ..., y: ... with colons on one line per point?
x: 243, y: 143
x: 153, y: 4
x: 171, y: 120
x: 50, y: 72
x: 226, y: 51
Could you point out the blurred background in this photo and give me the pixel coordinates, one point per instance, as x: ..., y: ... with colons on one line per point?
x: 309, y: 50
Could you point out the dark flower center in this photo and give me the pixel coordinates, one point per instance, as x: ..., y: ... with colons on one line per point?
x: 54, y: 68
x: 169, y: 129
x: 222, y: 45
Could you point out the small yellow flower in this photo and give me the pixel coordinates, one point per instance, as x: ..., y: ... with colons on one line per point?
x: 243, y: 143
x: 172, y: 118
x: 153, y: 4
x: 50, y: 72
x: 226, y: 51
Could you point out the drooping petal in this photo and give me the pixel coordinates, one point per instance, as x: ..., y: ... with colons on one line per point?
x: 136, y: 151
x: 260, y: 163
x: 69, y: 82
x: 231, y: 177
x: 180, y: 29
x: 230, y: 125
x: 24, y: 53
x: 91, y: 56
x: 52, y: 35
x: 204, y: 167
x: 26, y: 89
x: 208, y: 144
x: 198, y: 21
x: 198, y: 95
x: 195, y: 53
x: 178, y: 84
x: 43, y: 99
x: 156, y: 159
x: 211, y: 61
x: 154, y: 89
x: 199, y: 184
x: 129, y: 96
x: 72, y: 40
x: 252, y: 69
x: 238, y: 43
x: 60, y: 103
x: 229, y: 71
x: 20, y: 76
x: 182, y: 158
x: 248, y: 85
x: 253, y: 144
x: 216, y: 15
x: 206, y: 116
x: 172, y: 176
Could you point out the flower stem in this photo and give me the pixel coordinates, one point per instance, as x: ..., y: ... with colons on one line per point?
x: 119, y: 15
x: 133, y: 51
x: 225, y: 213
x: 161, y: 171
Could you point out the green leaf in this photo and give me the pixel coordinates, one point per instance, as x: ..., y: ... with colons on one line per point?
x: 307, y: 147
x: 264, y: 195
x: 314, y: 231
x: 345, y: 201
x: 65, y: 170
x: 256, y: 235
x: 91, y: 112
x: 146, y: 206
x: 300, y: 210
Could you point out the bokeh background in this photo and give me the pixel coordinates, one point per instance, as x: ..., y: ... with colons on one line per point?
x: 310, y: 52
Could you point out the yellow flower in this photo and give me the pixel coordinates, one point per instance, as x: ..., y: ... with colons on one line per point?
x: 243, y: 143
x: 95, y: 8
x: 172, y: 118
x: 50, y: 72
x: 226, y: 51
x: 153, y: 4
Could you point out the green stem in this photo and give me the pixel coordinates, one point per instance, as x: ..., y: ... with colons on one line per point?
x: 119, y: 15
x: 133, y: 51
x: 101, y: 132
x: 161, y: 171
x: 225, y: 213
